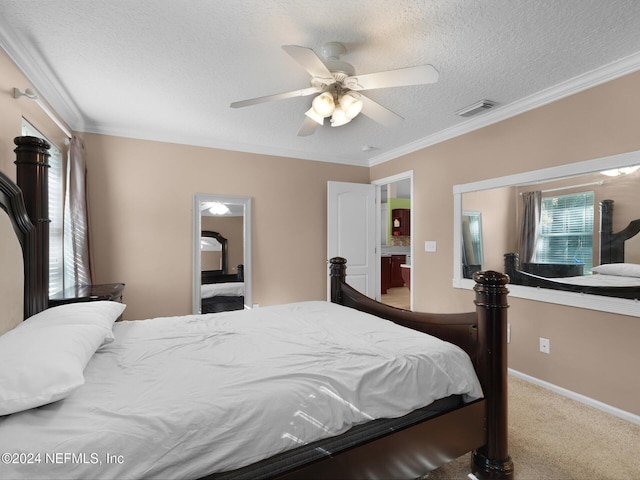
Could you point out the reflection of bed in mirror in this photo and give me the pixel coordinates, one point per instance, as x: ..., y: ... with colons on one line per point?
x: 220, y: 291
x: 615, y: 276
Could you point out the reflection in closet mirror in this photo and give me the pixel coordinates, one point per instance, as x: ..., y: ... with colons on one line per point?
x: 506, y: 229
x: 221, y: 253
x: 472, y: 258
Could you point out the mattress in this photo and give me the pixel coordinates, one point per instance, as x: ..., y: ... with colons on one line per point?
x: 183, y: 397
x: 222, y: 289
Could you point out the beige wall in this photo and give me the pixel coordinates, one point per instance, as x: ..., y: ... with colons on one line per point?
x: 592, y: 353
x: 140, y: 199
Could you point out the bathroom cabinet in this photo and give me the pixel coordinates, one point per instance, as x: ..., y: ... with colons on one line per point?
x: 396, y: 270
x: 391, y: 271
x: 401, y: 222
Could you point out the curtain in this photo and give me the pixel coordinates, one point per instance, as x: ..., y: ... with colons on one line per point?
x: 78, y: 262
x: 532, y: 206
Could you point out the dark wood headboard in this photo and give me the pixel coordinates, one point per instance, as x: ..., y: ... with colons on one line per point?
x: 612, y: 244
x: 223, y: 253
x: 12, y: 202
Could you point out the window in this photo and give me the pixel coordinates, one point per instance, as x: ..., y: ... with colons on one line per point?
x: 566, y: 230
x: 56, y: 205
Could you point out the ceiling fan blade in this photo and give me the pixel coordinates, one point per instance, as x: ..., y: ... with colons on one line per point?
x: 308, y: 127
x: 279, y: 96
x: 380, y: 114
x: 400, y: 77
x: 310, y: 61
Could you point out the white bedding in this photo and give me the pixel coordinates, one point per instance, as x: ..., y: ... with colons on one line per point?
x: 234, y: 289
x: 182, y: 397
x: 598, y: 280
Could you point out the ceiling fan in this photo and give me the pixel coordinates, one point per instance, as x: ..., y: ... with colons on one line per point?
x: 338, y: 88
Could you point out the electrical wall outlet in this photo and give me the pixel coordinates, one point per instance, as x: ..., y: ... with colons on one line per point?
x: 545, y: 345
x: 508, y: 333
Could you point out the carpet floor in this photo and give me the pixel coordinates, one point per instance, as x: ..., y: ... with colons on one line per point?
x: 552, y: 437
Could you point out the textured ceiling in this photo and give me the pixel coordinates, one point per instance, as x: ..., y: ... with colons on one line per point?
x: 168, y: 69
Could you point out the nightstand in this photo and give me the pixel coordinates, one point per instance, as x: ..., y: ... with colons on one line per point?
x: 88, y: 293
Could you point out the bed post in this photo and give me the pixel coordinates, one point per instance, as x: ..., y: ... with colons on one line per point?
x: 492, y: 461
x: 338, y: 275
x: 32, y: 176
x: 606, y: 231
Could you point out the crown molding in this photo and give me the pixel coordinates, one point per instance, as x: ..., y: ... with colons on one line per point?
x: 570, y: 87
x: 48, y: 89
x: 222, y: 145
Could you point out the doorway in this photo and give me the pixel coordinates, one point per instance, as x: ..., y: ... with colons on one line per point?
x: 395, y: 245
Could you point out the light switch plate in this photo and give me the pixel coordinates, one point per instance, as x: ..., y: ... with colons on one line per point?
x: 430, y: 246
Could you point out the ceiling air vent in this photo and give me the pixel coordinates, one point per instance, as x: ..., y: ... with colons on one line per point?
x: 477, y: 107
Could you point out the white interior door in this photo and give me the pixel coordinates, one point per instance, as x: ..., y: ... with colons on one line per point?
x: 351, y: 232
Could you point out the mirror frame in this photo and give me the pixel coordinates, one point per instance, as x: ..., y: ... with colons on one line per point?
x: 199, y: 198
x: 593, y: 302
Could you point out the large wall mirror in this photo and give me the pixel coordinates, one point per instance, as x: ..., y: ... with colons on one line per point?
x: 221, y: 253
x: 567, y: 235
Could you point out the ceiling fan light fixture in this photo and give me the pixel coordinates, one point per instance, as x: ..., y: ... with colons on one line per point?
x: 620, y: 171
x: 312, y: 114
x: 351, y: 104
x: 323, y: 104
x: 339, y: 117
x: 217, y: 208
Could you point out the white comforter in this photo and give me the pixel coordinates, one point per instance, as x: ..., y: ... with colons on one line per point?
x: 600, y: 281
x: 182, y: 397
x: 234, y: 289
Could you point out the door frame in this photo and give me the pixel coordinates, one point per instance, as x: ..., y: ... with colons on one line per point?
x: 379, y: 183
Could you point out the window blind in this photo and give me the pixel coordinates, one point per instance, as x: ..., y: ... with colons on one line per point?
x: 566, y: 230
x: 56, y: 203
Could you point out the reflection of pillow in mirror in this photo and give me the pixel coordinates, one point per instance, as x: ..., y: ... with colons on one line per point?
x: 621, y: 269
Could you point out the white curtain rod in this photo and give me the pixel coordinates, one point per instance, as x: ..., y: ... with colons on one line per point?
x: 17, y: 93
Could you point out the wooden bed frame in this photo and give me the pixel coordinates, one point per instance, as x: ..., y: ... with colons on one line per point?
x: 483, y: 335
x: 611, y: 251
x: 416, y: 448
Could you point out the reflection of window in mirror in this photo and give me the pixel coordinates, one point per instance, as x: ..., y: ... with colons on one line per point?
x: 565, y: 233
x: 472, y: 256
x: 562, y: 238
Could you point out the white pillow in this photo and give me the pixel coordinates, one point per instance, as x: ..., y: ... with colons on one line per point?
x: 101, y: 313
x: 620, y: 269
x: 44, y: 363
